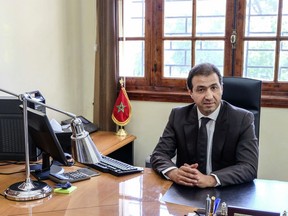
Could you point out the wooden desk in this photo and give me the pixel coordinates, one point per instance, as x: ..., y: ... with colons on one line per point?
x: 118, y: 147
x: 137, y: 194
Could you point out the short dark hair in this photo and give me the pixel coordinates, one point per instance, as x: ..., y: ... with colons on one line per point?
x: 204, y: 69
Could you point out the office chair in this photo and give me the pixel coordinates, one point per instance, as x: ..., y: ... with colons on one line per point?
x: 244, y: 93
x: 241, y: 92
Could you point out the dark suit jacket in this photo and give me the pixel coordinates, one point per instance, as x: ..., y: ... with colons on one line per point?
x: 234, y: 150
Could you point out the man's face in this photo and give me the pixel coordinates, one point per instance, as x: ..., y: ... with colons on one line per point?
x: 206, y: 93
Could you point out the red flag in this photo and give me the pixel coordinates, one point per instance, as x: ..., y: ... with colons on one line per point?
x: 122, y: 109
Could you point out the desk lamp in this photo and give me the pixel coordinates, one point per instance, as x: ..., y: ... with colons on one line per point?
x: 83, y: 151
x: 83, y: 148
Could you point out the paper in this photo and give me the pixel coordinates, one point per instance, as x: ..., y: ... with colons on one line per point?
x: 65, y: 191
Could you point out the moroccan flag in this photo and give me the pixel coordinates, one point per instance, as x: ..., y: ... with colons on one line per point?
x: 122, y: 109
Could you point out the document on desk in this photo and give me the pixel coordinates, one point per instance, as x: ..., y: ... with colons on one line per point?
x: 266, y: 195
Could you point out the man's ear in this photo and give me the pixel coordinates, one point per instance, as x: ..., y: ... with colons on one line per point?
x: 190, y: 92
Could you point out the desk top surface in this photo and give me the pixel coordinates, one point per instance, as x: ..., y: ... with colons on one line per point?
x: 136, y: 194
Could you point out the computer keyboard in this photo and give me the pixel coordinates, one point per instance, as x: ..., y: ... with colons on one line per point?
x: 73, y: 176
x: 115, y: 167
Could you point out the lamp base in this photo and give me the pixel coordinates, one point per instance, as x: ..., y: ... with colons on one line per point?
x: 26, y: 191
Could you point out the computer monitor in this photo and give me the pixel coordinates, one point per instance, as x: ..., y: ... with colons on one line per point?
x: 43, y: 136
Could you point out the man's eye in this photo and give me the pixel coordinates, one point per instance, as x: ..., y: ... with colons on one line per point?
x: 200, y: 90
x: 214, y: 87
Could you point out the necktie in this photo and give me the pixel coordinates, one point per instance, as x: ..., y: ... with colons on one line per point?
x: 202, y: 145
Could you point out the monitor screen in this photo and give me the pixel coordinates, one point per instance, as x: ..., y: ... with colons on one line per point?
x: 45, y: 139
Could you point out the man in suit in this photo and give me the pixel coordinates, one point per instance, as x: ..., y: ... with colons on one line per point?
x: 231, y: 150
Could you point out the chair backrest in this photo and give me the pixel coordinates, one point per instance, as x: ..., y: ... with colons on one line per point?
x: 244, y: 93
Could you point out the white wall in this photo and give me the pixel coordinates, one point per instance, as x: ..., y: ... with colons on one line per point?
x: 149, y: 119
x: 49, y: 46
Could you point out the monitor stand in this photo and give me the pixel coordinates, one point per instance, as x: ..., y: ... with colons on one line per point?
x: 42, y: 171
x: 40, y: 174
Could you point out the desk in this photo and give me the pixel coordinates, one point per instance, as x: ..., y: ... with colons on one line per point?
x: 118, y: 147
x: 136, y: 194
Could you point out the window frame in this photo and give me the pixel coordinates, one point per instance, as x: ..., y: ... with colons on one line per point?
x: 152, y: 87
x: 274, y: 94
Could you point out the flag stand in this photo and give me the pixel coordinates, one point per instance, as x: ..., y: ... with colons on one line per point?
x: 121, y: 113
x: 121, y: 131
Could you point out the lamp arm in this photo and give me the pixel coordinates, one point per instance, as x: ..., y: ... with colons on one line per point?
x: 26, y: 97
x: 11, y: 93
x: 50, y: 107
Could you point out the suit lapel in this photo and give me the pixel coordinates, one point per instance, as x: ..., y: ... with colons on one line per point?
x: 220, y: 133
x: 191, y: 133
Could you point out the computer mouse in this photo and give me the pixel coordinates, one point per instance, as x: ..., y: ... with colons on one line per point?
x: 70, y: 159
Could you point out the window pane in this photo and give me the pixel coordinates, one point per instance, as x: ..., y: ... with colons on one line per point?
x: 177, y: 58
x: 134, y: 19
x: 261, y: 17
x: 131, y: 58
x: 177, y: 17
x: 283, y: 63
x: 285, y: 18
x: 259, y: 58
x: 210, y: 51
x: 210, y: 19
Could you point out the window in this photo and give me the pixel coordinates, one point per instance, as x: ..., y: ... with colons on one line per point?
x: 160, y: 40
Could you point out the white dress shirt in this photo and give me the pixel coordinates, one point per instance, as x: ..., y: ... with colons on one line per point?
x: 210, y: 131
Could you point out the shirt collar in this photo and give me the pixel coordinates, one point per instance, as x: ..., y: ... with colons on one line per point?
x: 212, y: 116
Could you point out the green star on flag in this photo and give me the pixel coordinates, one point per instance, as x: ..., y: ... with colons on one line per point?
x: 121, y: 107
